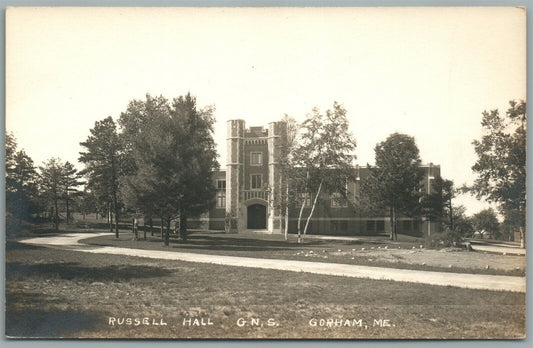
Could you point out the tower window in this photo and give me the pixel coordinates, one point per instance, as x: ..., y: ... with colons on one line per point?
x: 221, y: 199
x: 221, y: 184
x: 256, y: 158
x: 256, y: 181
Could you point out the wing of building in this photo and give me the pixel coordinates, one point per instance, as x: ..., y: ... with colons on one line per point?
x: 247, y: 192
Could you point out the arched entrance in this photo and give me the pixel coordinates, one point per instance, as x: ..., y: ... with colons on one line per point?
x: 256, y: 217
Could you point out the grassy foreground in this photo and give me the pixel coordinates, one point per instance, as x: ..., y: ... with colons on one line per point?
x: 65, y: 293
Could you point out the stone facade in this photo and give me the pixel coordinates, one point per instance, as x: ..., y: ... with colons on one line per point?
x: 248, y: 192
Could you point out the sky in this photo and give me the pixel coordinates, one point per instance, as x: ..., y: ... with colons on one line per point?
x: 426, y: 72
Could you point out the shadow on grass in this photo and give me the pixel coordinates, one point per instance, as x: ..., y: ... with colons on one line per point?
x: 53, y: 323
x: 72, y: 270
x: 21, y: 246
x: 240, y: 244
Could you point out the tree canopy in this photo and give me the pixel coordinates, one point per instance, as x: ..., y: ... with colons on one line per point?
x: 394, y: 182
x: 324, y: 156
x: 103, y: 162
x: 21, y: 184
x: 501, y: 162
x: 173, y: 156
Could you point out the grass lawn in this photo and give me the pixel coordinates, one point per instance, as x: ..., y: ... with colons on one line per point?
x: 369, y: 251
x: 52, y: 292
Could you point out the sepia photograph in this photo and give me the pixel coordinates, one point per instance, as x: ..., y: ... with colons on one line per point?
x: 265, y: 173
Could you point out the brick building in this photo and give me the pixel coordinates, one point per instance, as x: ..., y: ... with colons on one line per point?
x: 247, y: 192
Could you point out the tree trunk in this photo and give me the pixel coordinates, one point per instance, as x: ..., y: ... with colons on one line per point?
x: 151, y: 226
x: 110, y: 218
x: 162, y: 229
x: 452, y: 227
x: 391, y: 236
x: 394, y: 224
x: 68, y: 210
x: 56, y: 216
x: 183, y: 227
x: 300, y: 219
x: 522, y: 233
x: 167, y: 233
x: 135, y: 229
x: 313, y: 207
x: 286, y: 223
x: 144, y: 229
x: 115, y: 205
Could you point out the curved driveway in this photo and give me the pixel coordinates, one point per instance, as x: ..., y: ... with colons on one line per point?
x: 462, y: 280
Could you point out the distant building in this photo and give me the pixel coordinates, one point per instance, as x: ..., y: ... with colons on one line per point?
x: 248, y: 190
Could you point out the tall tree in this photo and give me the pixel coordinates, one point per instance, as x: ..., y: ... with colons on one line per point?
x: 174, y: 156
x: 501, y: 163
x: 21, y: 183
x: 324, y: 155
x: 139, y: 125
x: 102, y: 159
x: 394, y: 183
x: 195, y: 128
x: 51, y: 186
x: 71, y: 182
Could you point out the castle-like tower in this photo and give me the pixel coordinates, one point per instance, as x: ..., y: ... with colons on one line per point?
x: 253, y: 178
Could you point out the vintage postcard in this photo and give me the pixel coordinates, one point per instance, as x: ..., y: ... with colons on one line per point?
x: 265, y: 173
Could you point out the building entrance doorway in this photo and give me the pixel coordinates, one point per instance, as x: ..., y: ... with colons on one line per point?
x: 256, y: 217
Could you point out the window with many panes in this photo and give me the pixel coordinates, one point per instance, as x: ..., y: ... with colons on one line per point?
x: 256, y: 158
x: 256, y: 181
x: 338, y: 201
x: 221, y: 199
x: 221, y: 184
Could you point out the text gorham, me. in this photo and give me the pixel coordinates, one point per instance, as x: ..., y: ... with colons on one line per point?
x: 351, y: 322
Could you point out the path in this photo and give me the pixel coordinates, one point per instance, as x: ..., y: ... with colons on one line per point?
x: 463, y: 280
x: 498, y: 248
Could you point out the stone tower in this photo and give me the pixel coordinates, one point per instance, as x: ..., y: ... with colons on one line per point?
x: 276, y: 140
x: 234, y: 173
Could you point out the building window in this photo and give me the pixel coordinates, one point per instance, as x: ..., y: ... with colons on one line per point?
x: 338, y: 201
x: 221, y: 199
x: 370, y: 225
x: 256, y: 181
x: 221, y: 184
x: 305, y: 199
x: 380, y: 226
x: 256, y: 158
x: 407, y: 225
